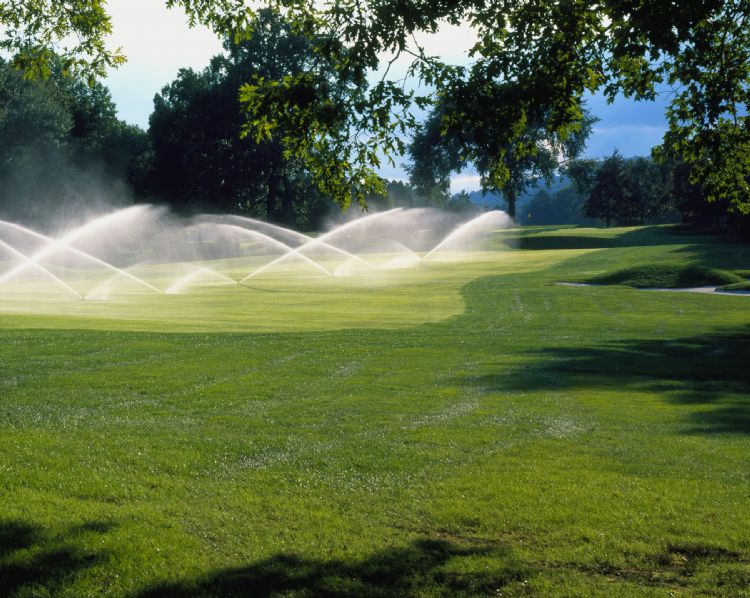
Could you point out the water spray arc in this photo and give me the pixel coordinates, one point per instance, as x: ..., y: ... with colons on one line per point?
x: 306, y: 239
x: 182, y: 282
x: 41, y: 268
x: 466, y: 228
x: 152, y: 248
x: 255, y: 223
x: 407, y: 258
x: 286, y: 248
x: 55, y: 244
x: 321, y: 241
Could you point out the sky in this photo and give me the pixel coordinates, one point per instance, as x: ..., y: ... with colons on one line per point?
x: 158, y: 42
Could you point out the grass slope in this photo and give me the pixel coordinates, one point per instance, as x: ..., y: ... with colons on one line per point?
x: 666, y: 276
x: 738, y: 286
x: 530, y: 439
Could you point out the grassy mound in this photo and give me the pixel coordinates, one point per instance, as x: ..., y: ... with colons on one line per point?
x: 738, y: 286
x: 668, y: 276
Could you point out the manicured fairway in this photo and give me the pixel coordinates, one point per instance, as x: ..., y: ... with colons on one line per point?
x: 457, y: 429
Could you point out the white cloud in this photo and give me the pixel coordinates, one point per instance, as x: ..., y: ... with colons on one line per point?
x: 154, y: 36
x: 157, y: 42
x: 465, y: 182
x: 451, y: 42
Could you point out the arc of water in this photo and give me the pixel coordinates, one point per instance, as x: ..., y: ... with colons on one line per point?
x: 53, y: 244
x: 308, y: 240
x: 458, y: 230
x: 287, y: 231
x: 95, y: 223
x: 320, y: 241
x: 404, y: 260
x: 407, y: 250
x: 357, y: 222
x: 289, y: 250
x: 179, y: 284
x: 95, y: 293
x: 58, y: 280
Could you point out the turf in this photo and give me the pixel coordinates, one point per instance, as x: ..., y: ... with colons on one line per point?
x: 738, y: 286
x: 665, y: 276
x: 466, y: 429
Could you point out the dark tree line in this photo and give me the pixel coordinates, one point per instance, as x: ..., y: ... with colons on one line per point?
x: 626, y: 191
x: 61, y: 144
x: 634, y: 191
x: 561, y: 206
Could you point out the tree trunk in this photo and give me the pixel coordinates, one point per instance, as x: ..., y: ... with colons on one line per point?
x: 609, y: 210
x: 287, y: 202
x: 511, y: 207
x: 274, y: 194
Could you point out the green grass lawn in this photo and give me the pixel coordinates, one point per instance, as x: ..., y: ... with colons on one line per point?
x: 455, y: 429
x: 665, y: 276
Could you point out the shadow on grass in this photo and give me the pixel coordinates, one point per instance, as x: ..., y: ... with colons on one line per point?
x: 640, y: 237
x: 36, y: 563
x: 547, y: 242
x: 731, y: 256
x: 710, y: 370
x: 404, y: 571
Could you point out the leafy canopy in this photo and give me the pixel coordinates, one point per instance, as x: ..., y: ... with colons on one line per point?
x: 533, y: 62
x: 446, y: 142
x: 39, y: 33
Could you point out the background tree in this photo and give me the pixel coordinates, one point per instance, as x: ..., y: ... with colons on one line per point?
x: 564, y: 206
x: 60, y: 144
x: 200, y: 158
x: 608, y: 191
x: 645, y: 193
x: 461, y: 202
x: 97, y: 137
x: 33, y: 118
x: 633, y: 191
x: 582, y: 173
x: 688, y: 199
x: 432, y: 160
x: 448, y: 141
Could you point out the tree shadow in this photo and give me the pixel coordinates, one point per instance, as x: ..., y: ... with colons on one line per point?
x: 728, y: 255
x: 394, y: 572
x: 709, y: 370
x: 548, y: 242
x: 31, y: 558
x: 639, y: 237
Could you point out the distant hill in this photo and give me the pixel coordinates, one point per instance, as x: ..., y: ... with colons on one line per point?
x: 496, y: 199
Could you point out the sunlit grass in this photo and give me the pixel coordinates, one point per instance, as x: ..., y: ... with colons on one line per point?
x: 460, y: 428
x: 290, y: 297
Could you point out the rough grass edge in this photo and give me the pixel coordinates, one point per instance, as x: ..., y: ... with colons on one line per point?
x: 668, y: 276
